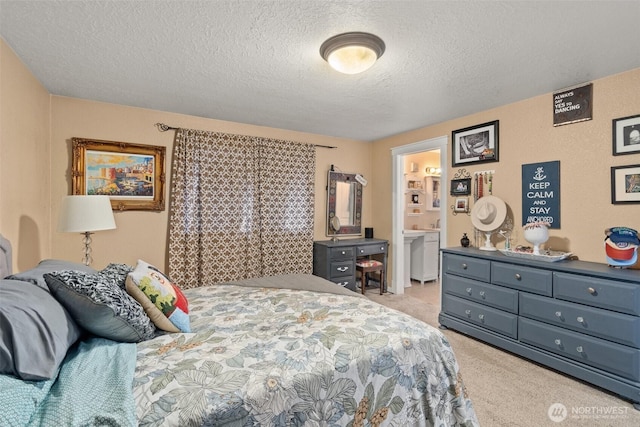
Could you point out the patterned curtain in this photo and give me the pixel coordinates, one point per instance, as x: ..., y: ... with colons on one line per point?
x: 241, y: 207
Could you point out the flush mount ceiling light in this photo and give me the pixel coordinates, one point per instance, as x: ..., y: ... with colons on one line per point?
x: 352, y: 53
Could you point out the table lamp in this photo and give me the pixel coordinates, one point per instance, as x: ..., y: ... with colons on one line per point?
x: 86, y: 214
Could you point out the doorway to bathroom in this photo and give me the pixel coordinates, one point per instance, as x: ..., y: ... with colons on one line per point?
x: 419, y: 206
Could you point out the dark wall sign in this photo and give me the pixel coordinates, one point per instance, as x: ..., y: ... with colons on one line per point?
x: 541, y: 193
x: 573, y: 105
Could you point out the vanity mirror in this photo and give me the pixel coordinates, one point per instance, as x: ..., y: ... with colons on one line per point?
x: 344, y: 205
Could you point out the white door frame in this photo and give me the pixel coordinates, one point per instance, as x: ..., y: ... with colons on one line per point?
x: 397, y: 202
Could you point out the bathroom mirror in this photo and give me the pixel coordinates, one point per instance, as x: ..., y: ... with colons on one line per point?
x: 344, y: 205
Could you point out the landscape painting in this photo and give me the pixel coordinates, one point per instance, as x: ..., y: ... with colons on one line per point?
x: 132, y: 175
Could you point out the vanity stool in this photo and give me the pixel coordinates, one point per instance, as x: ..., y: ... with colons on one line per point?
x: 366, y: 266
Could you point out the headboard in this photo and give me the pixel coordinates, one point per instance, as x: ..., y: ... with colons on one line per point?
x: 5, y: 257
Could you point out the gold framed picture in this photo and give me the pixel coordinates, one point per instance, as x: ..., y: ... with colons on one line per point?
x: 132, y: 175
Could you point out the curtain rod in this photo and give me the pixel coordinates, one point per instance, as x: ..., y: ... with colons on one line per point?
x: 163, y: 128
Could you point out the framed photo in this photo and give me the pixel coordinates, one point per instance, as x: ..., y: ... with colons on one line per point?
x: 132, y: 175
x: 461, y: 187
x: 626, y: 135
x: 415, y: 199
x: 461, y: 204
x: 625, y: 184
x: 475, y: 144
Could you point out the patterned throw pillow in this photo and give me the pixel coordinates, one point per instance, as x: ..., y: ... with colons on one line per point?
x: 163, y: 301
x: 98, y: 304
x: 117, y: 273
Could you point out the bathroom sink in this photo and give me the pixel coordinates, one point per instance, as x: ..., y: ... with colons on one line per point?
x: 414, y: 232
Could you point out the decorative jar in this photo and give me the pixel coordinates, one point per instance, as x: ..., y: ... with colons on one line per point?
x: 464, y: 241
x: 536, y: 233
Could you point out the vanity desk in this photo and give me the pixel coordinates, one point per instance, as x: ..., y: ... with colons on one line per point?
x: 580, y: 318
x: 336, y: 261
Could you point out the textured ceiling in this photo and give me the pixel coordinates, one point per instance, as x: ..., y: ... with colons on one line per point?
x: 257, y: 62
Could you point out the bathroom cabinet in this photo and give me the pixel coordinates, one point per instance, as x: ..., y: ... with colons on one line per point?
x: 425, y: 256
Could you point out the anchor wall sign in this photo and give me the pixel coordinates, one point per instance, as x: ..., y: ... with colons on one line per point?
x: 541, y: 193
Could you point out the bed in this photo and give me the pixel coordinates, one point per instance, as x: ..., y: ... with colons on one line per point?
x: 291, y: 350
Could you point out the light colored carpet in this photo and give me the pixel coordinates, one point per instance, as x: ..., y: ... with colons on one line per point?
x: 507, y: 390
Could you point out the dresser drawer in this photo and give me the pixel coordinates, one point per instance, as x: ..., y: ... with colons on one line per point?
x: 378, y: 248
x: 472, y: 268
x: 609, y: 294
x: 341, y: 268
x: 341, y: 253
x: 615, y: 358
x: 495, y: 296
x: 612, y: 326
x: 346, y: 282
x: 487, y: 317
x: 523, y: 278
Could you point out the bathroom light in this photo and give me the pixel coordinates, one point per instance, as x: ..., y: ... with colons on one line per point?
x: 352, y: 53
x: 433, y: 171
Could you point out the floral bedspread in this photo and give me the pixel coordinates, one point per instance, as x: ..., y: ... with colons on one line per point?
x: 283, y: 357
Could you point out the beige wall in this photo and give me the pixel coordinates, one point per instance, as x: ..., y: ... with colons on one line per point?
x: 35, y: 161
x: 24, y: 161
x: 35, y: 133
x: 527, y: 136
x: 143, y: 234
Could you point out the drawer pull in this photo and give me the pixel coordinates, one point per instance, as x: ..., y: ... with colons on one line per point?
x: 482, y: 294
x: 557, y: 341
x: 342, y: 269
x: 464, y: 266
x: 481, y: 316
x: 382, y: 248
x: 467, y: 312
x: 580, y: 319
x: 344, y: 252
x: 591, y: 290
x: 559, y: 314
x: 469, y: 291
x: 579, y: 349
x: 518, y: 276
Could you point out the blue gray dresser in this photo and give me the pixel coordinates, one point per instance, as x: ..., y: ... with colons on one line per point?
x: 577, y: 317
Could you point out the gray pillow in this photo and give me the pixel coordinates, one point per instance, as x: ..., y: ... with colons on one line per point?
x: 36, y: 274
x: 35, y: 331
x: 98, y: 304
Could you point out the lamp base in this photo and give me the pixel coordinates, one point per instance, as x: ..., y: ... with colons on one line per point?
x: 87, y: 260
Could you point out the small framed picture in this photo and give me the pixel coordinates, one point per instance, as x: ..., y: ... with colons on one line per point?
x: 625, y: 184
x: 461, y: 187
x: 461, y: 204
x: 415, y: 199
x: 626, y: 135
x: 475, y: 144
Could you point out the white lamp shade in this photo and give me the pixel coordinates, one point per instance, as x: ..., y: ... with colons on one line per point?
x: 86, y: 213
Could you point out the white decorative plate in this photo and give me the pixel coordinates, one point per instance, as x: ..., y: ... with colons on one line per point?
x: 548, y: 256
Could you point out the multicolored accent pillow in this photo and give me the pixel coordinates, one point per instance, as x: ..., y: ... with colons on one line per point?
x: 162, y: 300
